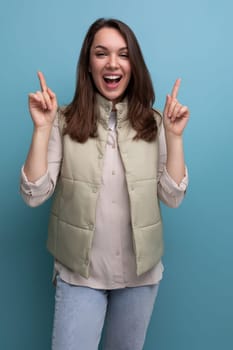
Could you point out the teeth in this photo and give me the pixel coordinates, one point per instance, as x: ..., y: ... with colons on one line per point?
x: 112, y: 77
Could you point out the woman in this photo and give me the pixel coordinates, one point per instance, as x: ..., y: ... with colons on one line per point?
x: 111, y: 158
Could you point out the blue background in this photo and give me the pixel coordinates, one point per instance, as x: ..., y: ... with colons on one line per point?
x: 188, y: 39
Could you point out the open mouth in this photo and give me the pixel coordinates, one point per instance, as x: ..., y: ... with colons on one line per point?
x: 112, y: 79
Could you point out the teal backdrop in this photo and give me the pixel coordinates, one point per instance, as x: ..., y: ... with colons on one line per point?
x: 187, y: 39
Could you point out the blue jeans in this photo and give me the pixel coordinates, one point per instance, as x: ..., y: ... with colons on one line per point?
x: 80, y: 313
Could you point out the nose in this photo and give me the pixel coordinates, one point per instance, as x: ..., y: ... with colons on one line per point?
x: 112, y: 62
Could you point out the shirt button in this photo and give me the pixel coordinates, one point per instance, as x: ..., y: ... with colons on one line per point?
x: 113, y: 172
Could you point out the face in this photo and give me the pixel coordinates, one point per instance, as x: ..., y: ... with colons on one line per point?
x: 109, y: 64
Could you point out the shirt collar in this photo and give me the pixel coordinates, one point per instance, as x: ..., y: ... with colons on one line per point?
x: 104, y: 107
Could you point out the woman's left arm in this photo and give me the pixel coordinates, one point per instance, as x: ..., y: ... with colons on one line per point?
x: 175, y: 118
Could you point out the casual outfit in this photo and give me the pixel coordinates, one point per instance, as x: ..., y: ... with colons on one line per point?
x: 105, y: 228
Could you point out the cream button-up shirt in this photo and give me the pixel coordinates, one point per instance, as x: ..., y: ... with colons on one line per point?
x: 113, y: 263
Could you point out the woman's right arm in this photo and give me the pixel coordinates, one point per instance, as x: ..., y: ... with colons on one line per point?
x: 35, y: 176
x: 43, y: 109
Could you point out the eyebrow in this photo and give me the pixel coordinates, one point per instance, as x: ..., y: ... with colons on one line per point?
x: 105, y: 48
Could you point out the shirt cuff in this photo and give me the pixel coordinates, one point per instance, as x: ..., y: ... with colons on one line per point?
x: 39, y: 187
x: 170, y: 186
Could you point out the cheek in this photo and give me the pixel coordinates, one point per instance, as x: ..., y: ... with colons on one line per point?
x: 95, y: 70
x: 128, y: 70
x: 92, y: 65
x: 129, y: 74
x: 96, y: 77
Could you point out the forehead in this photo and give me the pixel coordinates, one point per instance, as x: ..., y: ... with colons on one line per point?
x: 109, y: 37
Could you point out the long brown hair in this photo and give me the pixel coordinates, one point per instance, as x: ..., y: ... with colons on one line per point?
x: 81, y: 119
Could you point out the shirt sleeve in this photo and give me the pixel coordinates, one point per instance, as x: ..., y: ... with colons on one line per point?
x: 35, y: 193
x: 169, y: 192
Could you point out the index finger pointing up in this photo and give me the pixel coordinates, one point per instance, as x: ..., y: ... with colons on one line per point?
x: 176, y: 88
x: 43, y: 84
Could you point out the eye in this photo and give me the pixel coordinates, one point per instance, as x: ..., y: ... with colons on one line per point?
x: 124, y: 55
x: 101, y: 54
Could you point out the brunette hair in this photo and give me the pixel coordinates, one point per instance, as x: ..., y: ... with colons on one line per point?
x: 81, y: 119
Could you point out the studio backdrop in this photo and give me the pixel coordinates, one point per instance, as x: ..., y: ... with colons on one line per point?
x: 187, y: 39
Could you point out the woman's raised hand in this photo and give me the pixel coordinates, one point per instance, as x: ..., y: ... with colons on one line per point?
x: 43, y: 105
x: 175, y: 114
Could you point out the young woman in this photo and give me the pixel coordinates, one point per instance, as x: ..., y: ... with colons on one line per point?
x: 111, y: 158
